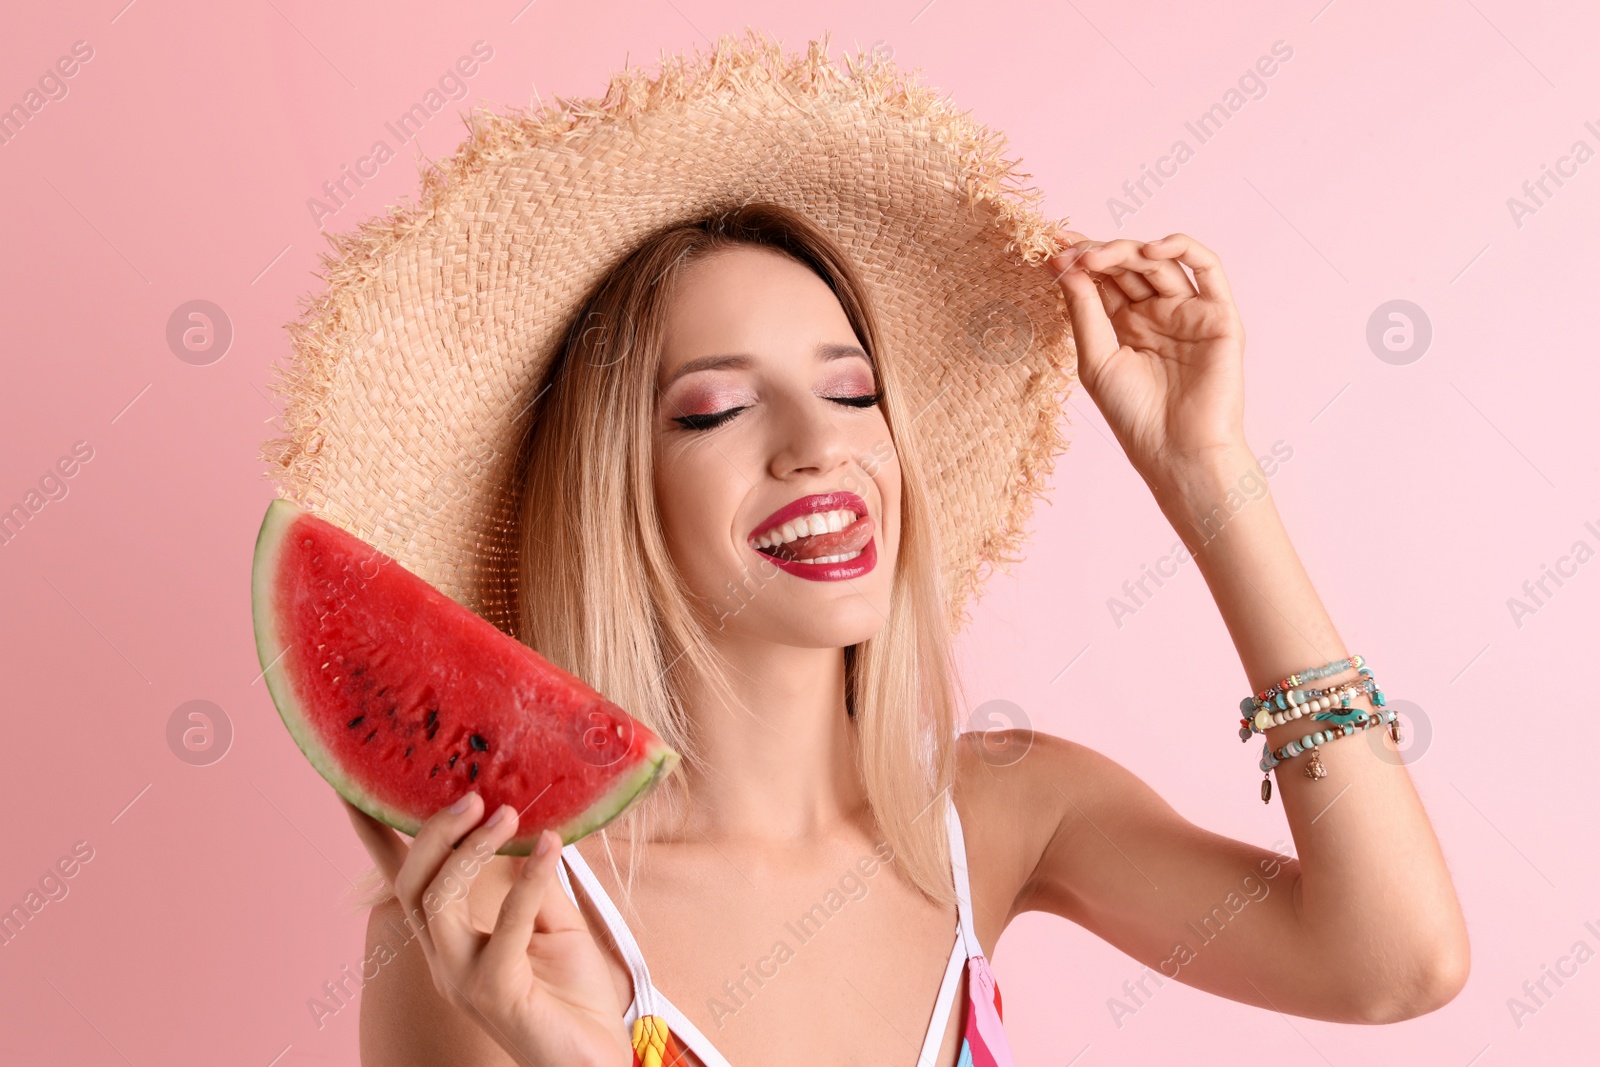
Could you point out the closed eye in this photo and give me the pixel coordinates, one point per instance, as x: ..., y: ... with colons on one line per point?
x: 866, y: 400
x: 708, y: 421
x: 714, y: 419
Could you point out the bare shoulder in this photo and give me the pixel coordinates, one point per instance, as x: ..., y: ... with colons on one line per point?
x: 1020, y: 793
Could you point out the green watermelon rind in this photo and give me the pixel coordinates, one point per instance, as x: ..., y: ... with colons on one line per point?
x: 270, y: 649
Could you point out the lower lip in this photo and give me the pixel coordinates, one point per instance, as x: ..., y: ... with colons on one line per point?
x: 831, y: 572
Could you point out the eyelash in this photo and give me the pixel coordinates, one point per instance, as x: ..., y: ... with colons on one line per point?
x: 717, y: 418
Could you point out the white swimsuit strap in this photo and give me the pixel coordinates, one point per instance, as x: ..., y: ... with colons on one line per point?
x: 958, y: 861
x: 643, y: 991
x: 966, y: 943
x: 689, y: 1034
x: 647, y: 1002
x: 646, y: 999
x: 941, y: 1007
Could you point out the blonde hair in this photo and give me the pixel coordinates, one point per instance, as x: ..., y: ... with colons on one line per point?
x: 601, y: 597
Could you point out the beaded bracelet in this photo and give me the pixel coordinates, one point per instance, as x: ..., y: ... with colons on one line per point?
x: 1313, y: 702
x: 1310, y: 674
x: 1314, y: 768
x: 1289, y: 697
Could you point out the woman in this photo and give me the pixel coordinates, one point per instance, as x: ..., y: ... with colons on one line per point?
x: 726, y: 378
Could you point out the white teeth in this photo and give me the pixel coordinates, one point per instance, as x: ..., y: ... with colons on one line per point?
x: 834, y: 559
x: 820, y: 522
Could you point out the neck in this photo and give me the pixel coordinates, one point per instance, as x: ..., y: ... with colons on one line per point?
x: 783, y: 754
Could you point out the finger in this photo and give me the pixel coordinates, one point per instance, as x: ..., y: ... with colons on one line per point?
x: 533, y: 902
x: 388, y: 852
x: 1074, y: 244
x: 1205, y: 264
x: 429, y: 850
x: 1139, y: 275
x: 1070, y: 259
x: 1091, y: 323
x: 456, y: 939
x: 1107, y: 260
x: 559, y: 911
x: 1113, y: 297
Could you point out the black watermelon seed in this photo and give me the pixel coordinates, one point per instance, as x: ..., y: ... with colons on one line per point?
x: 369, y: 737
x: 473, y: 774
x: 434, y: 771
x: 479, y: 743
x: 353, y: 723
x: 433, y: 716
x: 408, y: 751
x: 453, y: 757
x: 391, y: 710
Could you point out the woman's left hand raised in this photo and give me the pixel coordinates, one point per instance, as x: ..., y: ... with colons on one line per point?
x: 1163, y: 363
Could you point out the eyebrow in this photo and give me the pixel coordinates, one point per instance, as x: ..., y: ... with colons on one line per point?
x: 739, y: 361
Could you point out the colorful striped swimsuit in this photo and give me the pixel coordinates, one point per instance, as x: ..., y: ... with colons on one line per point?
x: 662, y: 1034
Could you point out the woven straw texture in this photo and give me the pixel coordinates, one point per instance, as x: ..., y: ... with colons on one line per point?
x: 408, y: 389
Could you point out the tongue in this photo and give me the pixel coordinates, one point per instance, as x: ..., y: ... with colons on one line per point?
x: 814, y: 546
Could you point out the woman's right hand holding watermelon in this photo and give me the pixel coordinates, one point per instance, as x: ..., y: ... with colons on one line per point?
x: 537, y: 982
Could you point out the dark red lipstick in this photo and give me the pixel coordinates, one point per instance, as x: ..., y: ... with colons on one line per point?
x: 825, y: 537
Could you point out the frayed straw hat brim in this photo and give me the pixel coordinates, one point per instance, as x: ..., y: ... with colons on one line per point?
x: 412, y: 371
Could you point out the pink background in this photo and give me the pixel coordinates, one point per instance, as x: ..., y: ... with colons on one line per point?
x: 1377, y: 166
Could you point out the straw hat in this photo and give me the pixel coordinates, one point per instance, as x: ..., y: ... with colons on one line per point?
x: 407, y: 394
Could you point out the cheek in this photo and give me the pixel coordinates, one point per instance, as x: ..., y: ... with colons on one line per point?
x: 697, y: 495
x: 881, y: 464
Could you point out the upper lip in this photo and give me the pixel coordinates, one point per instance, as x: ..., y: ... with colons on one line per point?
x: 808, y: 505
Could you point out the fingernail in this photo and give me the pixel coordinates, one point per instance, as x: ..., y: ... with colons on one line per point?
x: 544, y: 843
x: 499, y: 814
x: 463, y: 804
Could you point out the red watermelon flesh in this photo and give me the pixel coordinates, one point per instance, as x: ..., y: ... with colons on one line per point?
x: 404, y: 699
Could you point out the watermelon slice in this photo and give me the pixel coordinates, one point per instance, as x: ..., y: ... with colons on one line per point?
x: 404, y: 700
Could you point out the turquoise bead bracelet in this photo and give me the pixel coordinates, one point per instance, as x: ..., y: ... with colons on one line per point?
x: 1286, y: 698
x: 1310, y: 674
x: 1308, y: 744
x: 1287, y: 707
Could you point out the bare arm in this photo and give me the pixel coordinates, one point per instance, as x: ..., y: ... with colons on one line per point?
x: 505, y: 974
x: 1365, y: 925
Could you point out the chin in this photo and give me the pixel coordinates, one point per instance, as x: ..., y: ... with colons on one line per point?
x: 790, y: 611
x: 843, y: 629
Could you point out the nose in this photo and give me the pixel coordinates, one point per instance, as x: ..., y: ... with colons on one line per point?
x: 808, y: 440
